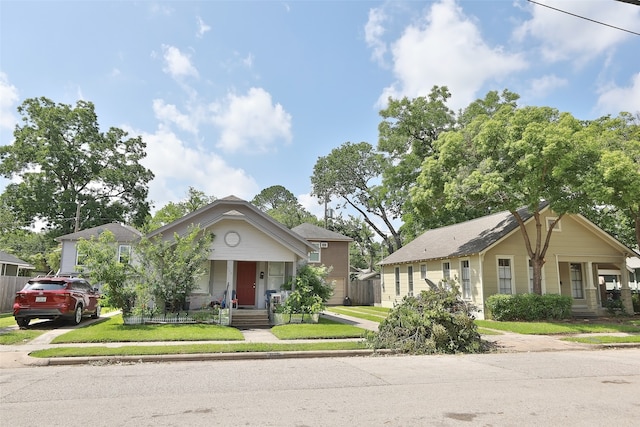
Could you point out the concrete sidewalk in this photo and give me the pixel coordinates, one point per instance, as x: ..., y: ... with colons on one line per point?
x: 13, y: 356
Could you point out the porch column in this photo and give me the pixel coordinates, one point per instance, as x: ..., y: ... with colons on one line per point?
x: 625, y: 291
x: 591, y: 293
x: 229, y: 288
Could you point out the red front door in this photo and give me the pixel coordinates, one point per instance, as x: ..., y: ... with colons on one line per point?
x: 246, y: 282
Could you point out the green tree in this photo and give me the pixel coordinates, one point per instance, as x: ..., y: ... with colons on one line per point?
x: 617, y: 181
x: 309, y: 290
x: 513, y: 158
x: 406, y: 135
x: 194, y: 200
x: 351, y: 173
x: 281, y: 205
x: 365, y: 252
x: 71, y: 175
x: 102, y: 266
x: 169, y: 268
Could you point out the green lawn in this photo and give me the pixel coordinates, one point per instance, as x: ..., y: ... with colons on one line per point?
x: 374, y: 314
x: 555, y: 328
x: 196, y: 349
x: 113, y: 330
x: 605, y: 339
x: 7, y: 320
x: 325, y: 328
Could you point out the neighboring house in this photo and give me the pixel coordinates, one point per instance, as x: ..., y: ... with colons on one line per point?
x: 487, y: 256
x: 331, y: 250
x: 11, y: 265
x: 250, y: 253
x: 125, y: 237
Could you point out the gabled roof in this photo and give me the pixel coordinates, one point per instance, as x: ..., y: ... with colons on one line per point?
x: 6, y: 258
x: 313, y: 232
x: 122, y: 233
x: 465, y: 238
x: 234, y: 208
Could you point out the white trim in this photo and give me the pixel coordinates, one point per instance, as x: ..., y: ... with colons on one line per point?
x: 469, y: 295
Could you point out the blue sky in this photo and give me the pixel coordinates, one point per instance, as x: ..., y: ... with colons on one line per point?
x: 233, y: 97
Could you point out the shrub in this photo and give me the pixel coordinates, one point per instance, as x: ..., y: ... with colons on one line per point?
x: 435, y: 321
x: 528, y: 307
x: 635, y: 300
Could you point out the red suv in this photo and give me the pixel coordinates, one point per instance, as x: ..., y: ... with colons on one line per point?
x: 54, y: 297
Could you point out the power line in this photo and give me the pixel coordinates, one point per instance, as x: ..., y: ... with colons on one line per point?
x: 637, y: 3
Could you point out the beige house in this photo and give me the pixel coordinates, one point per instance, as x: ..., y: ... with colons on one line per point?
x: 331, y: 250
x: 487, y: 256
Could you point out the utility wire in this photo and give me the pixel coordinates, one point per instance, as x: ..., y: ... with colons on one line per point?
x: 589, y: 19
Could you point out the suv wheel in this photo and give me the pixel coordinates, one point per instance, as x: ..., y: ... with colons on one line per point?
x: 96, y: 315
x: 23, y: 322
x: 77, y: 315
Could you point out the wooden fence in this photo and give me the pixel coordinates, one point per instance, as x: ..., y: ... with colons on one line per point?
x: 365, y: 292
x: 9, y: 285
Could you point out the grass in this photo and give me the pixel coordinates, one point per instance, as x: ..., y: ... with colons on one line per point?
x: 374, y: 314
x: 196, y: 349
x: 557, y: 328
x: 19, y: 336
x: 325, y: 328
x: 605, y: 339
x: 7, y: 320
x: 113, y: 330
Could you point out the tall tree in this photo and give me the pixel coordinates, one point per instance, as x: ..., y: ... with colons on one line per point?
x: 515, y: 157
x: 283, y: 206
x: 194, y: 200
x: 70, y: 174
x: 617, y: 182
x: 351, y: 173
x: 406, y: 135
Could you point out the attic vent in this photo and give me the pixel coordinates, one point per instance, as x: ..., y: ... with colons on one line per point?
x: 324, y: 244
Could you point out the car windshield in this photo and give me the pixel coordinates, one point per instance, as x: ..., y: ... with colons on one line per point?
x: 45, y: 285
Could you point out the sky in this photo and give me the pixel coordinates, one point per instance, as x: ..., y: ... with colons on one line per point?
x: 232, y: 97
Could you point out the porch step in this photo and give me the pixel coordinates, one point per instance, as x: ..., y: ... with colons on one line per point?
x: 249, y: 319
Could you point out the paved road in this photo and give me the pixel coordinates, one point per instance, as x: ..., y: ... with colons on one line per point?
x: 568, y: 388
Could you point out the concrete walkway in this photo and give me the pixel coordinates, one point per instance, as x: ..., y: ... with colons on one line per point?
x: 13, y: 356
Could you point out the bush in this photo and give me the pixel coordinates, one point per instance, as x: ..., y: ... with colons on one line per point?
x: 435, y: 321
x: 528, y: 307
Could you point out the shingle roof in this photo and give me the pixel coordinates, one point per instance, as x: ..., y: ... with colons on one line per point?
x: 121, y: 232
x: 465, y: 238
x: 313, y: 232
x: 10, y: 259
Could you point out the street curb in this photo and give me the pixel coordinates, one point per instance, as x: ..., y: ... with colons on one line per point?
x: 64, y: 361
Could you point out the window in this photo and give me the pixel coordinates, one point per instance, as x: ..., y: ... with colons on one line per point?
x: 315, y: 255
x: 465, y: 272
x: 446, y: 270
x: 410, y: 278
x: 576, y: 281
x: 423, y: 271
x: 504, y: 276
x: 397, y: 280
x: 550, y: 221
x: 276, y: 277
x: 124, y: 254
x: 80, y: 258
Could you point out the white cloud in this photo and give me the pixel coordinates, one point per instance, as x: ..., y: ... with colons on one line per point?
x: 373, y: 32
x: 177, y: 64
x: 614, y: 99
x: 169, y: 113
x: 310, y: 203
x: 543, y: 86
x: 177, y: 166
x: 566, y: 37
x: 446, y: 48
x: 202, y: 28
x: 251, y: 123
x: 8, y: 99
